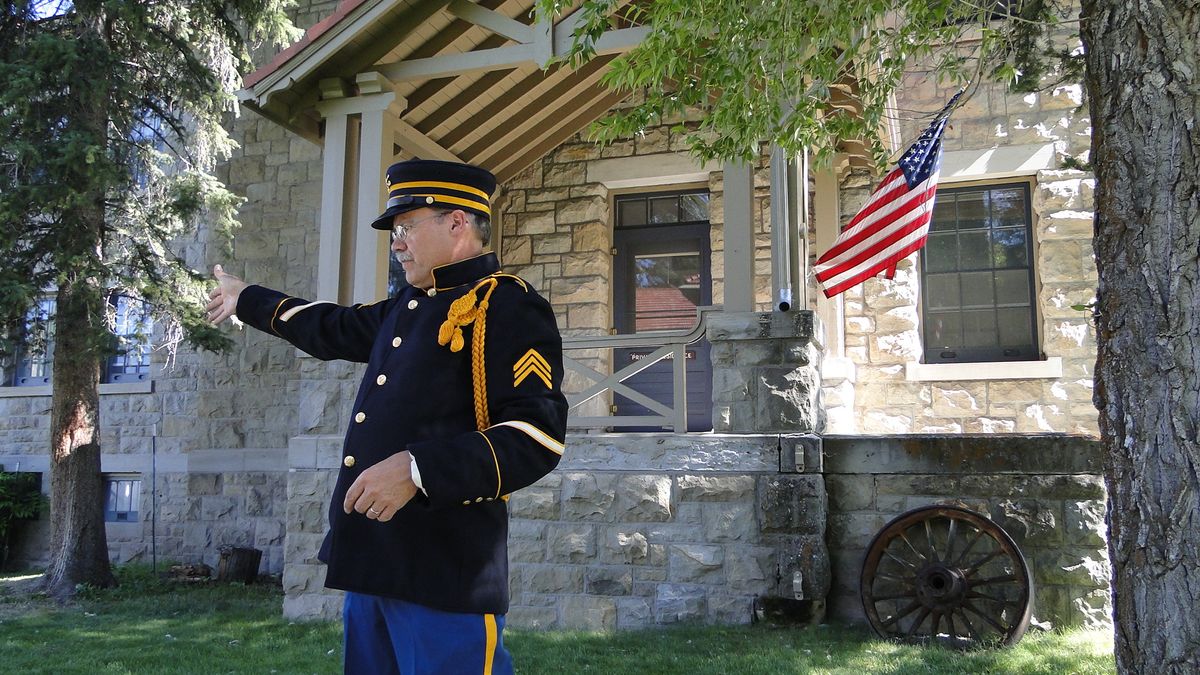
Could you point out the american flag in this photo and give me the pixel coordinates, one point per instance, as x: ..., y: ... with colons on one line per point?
x: 895, y: 220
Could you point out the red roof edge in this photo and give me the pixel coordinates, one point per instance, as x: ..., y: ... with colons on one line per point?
x: 317, y: 30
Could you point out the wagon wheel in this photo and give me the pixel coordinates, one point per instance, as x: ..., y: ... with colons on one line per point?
x: 947, y: 575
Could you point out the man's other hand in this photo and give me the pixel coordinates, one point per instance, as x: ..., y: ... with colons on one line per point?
x: 383, y: 489
x: 224, y: 298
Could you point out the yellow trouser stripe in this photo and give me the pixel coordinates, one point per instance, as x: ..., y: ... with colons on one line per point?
x: 489, y: 626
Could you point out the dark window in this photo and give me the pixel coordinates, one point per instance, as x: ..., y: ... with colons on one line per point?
x: 33, y: 361
x: 666, y: 208
x: 977, y: 285
x: 132, y: 325
x: 121, y: 497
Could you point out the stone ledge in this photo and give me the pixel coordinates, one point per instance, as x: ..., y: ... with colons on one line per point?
x: 964, y: 454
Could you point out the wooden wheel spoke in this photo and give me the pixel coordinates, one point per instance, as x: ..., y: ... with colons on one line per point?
x: 950, y: 532
x: 911, y: 547
x: 893, y: 596
x: 893, y: 578
x: 898, y: 559
x: 994, y: 580
x: 912, y: 628
x: 970, y: 627
x: 970, y: 545
x: 929, y: 540
x: 987, y: 619
x: 976, y: 595
x: 908, y: 609
x: 983, y: 561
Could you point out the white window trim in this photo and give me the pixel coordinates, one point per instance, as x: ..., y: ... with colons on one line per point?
x: 1051, y: 368
x: 140, y: 387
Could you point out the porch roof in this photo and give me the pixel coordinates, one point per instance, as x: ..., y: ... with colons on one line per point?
x: 468, y: 77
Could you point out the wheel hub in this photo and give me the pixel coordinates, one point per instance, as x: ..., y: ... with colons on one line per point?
x: 940, y: 587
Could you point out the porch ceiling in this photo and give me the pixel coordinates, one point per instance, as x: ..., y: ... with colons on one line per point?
x: 467, y: 75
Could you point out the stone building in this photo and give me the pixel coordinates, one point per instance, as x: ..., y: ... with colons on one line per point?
x: 966, y: 378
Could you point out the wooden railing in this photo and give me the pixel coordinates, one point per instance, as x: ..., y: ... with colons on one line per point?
x: 666, y: 344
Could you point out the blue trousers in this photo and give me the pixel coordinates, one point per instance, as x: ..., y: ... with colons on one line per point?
x: 385, y: 636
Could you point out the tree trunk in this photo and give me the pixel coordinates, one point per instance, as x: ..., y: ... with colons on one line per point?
x: 78, y: 542
x: 1143, y: 60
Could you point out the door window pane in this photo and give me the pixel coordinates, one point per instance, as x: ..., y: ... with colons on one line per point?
x: 667, y: 291
x: 693, y: 207
x: 631, y: 212
x: 664, y: 210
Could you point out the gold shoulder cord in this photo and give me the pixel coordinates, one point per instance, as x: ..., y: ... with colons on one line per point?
x: 464, y: 311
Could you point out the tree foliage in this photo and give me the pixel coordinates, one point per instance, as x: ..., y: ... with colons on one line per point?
x: 808, y: 75
x: 159, y: 78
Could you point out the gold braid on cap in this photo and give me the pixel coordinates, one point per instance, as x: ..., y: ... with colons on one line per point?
x: 464, y: 311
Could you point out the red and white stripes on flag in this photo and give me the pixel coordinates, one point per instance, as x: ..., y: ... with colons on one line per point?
x: 895, y: 220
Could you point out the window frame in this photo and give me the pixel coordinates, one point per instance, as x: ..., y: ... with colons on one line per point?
x: 1030, y: 352
x: 132, y: 515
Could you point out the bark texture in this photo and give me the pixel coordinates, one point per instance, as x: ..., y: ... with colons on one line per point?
x: 1143, y: 60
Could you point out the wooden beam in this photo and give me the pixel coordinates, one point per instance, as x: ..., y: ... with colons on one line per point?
x: 497, y: 107
x: 419, y: 145
x: 462, y: 100
x: 559, y: 133
x: 541, y: 108
x: 491, y: 20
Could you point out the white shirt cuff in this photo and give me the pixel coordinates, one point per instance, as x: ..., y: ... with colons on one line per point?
x: 416, y: 475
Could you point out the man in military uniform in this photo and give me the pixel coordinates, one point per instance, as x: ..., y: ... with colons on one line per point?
x: 460, y: 405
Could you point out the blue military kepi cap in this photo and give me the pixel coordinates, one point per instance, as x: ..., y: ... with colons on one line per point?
x: 417, y: 183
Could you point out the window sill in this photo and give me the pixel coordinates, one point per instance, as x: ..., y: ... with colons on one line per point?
x: 142, y: 387
x: 1051, y: 368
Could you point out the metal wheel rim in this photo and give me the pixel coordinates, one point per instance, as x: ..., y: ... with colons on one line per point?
x: 948, y: 575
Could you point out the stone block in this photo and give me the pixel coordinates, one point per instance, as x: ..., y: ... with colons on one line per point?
x: 750, y: 569
x: 204, y: 483
x: 574, y: 543
x: 634, y: 613
x: 786, y: 399
x: 1085, y: 524
x: 590, y: 613
x: 532, y: 618
x: 728, y: 522
x: 534, y: 502
x: 644, y: 498
x: 625, y: 545
x: 566, y: 291
x: 609, y: 581
x: 674, y: 603
x: 1030, y: 523
x: 696, y: 563
x: 552, y: 579
x: 854, y: 531
x: 793, y: 504
x: 849, y: 493
x: 730, y: 610
x: 706, y: 488
x: 584, y: 210
x: 559, y: 175
x: 588, y: 496
x: 1070, y: 567
x: 551, y: 244
x: 540, y: 222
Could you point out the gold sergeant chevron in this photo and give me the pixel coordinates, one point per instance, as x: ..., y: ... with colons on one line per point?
x: 532, y: 363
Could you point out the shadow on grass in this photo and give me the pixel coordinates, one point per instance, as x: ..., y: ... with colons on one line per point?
x: 150, y: 626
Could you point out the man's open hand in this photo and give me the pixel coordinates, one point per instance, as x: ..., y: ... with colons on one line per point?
x: 224, y: 298
x: 383, y: 489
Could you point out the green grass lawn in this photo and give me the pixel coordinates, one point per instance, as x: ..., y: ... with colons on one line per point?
x: 150, y: 626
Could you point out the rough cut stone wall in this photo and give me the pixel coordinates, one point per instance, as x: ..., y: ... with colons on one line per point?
x: 882, y: 317
x: 1046, y: 492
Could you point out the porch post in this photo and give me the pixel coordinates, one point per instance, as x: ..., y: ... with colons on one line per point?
x: 355, y: 172
x: 333, y: 177
x: 375, y: 154
x: 739, y: 237
x: 828, y: 224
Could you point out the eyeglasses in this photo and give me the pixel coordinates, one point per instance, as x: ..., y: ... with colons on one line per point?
x: 401, y: 232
